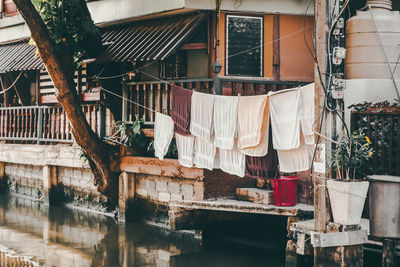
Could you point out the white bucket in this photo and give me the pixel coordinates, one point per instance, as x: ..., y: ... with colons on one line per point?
x: 347, y: 200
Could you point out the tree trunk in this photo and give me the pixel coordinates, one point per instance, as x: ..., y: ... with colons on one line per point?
x: 61, y: 69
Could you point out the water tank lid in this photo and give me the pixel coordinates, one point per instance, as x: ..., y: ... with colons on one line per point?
x: 384, y: 178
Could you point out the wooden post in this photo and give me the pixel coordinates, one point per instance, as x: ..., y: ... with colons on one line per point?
x: 124, y: 101
x: 37, y: 88
x: 321, y: 214
x: 388, y: 253
x: 49, y: 180
x: 276, y: 49
x: 102, y: 121
x: 126, y: 194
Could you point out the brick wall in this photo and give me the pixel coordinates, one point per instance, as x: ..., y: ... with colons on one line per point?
x: 27, y: 178
x: 165, y: 189
x: 79, y: 179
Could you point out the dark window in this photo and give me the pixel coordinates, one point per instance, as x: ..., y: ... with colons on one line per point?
x: 244, y: 37
x: 175, y: 66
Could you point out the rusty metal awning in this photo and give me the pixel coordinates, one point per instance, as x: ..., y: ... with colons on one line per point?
x: 19, y: 56
x: 150, y: 39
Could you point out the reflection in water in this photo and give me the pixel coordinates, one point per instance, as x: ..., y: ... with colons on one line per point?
x: 35, y: 235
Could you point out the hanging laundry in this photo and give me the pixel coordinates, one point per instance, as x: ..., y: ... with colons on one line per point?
x: 253, y: 125
x: 201, y: 115
x: 306, y: 111
x: 163, y: 133
x: 181, y: 99
x: 263, y: 167
x: 204, y: 156
x: 285, y: 120
x: 296, y: 160
x: 185, y: 146
x: 225, y: 121
x: 232, y: 161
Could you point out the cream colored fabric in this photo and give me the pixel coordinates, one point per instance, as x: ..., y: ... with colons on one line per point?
x: 204, y: 156
x: 163, y: 133
x: 225, y: 120
x: 253, y: 125
x: 232, y: 161
x: 306, y: 111
x: 285, y: 120
x: 296, y: 160
x: 201, y: 115
x: 185, y: 146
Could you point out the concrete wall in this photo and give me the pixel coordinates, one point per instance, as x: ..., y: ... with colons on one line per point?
x: 34, y: 168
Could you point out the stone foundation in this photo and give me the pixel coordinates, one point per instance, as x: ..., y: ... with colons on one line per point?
x: 166, y: 181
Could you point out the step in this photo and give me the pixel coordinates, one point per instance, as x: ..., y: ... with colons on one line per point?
x: 255, y: 195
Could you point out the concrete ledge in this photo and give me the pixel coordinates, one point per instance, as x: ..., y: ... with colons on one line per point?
x: 348, y: 238
x: 41, y: 155
x: 154, y: 166
x: 232, y: 205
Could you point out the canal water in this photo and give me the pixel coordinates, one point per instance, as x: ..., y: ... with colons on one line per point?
x: 32, y: 234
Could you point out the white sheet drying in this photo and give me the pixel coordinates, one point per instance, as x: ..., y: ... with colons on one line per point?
x: 201, y: 115
x: 285, y: 119
x: 163, y: 133
x: 225, y: 120
x: 185, y: 146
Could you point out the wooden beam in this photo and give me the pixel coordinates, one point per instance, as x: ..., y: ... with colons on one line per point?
x: 194, y: 46
x: 276, y: 49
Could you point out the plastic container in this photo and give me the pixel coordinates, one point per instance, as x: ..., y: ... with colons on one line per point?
x: 285, y: 191
x: 384, y: 206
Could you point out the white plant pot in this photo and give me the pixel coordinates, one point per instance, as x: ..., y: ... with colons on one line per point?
x: 347, y: 200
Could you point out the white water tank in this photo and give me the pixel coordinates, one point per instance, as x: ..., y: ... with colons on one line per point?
x: 365, y: 57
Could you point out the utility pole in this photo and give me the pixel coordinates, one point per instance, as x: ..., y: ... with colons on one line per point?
x: 327, y: 77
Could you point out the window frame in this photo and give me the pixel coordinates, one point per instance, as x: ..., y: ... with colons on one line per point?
x: 261, y: 18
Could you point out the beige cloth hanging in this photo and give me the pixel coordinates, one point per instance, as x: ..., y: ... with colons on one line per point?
x: 253, y: 125
x: 296, y: 160
x: 163, y: 133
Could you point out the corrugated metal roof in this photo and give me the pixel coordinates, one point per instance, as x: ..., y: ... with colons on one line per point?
x: 150, y: 39
x: 142, y: 40
x: 19, y: 56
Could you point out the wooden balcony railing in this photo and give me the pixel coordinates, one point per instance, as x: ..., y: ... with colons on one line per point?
x: 43, y: 123
x: 156, y: 95
x: 383, y: 128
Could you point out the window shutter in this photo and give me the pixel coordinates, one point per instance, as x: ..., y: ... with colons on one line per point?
x: 244, y: 46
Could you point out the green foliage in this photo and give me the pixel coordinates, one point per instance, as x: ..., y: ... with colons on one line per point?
x: 133, y: 136
x: 70, y: 27
x: 350, y: 154
x: 172, y: 150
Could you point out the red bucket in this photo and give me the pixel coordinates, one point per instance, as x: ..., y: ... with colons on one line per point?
x: 285, y: 191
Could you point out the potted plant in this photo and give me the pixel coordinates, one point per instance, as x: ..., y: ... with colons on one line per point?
x: 348, y: 192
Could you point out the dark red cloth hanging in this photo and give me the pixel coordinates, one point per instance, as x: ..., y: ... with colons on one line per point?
x: 181, y: 100
x: 263, y: 167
